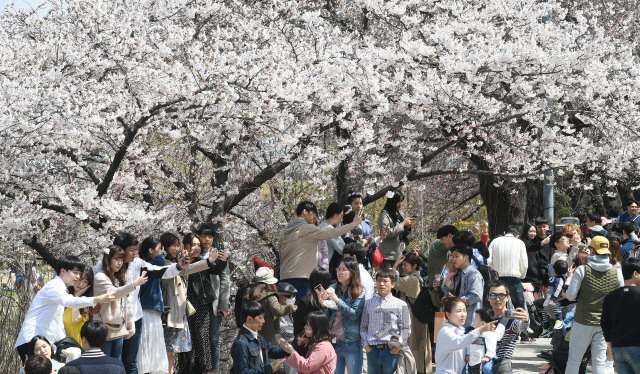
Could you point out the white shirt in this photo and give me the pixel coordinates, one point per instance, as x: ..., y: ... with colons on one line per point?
x: 133, y: 272
x: 367, y: 282
x: 478, y: 351
x: 45, y: 312
x: 450, y: 348
x: 508, y: 256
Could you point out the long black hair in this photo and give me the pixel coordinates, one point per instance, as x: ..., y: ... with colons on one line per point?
x: 391, y: 205
x: 319, y: 276
x: 525, y: 231
x: 319, y: 323
x: 145, y: 246
x: 32, y: 344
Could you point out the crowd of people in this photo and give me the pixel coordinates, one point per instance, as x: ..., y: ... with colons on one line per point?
x: 342, y: 300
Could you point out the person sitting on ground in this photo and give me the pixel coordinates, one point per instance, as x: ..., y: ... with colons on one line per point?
x: 556, y: 284
x: 468, y: 283
x: 299, y: 246
x: 248, y: 342
x: 589, y: 285
x: 93, y: 360
x: 482, y: 352
x: 38, y: 364
x: 40, y: 346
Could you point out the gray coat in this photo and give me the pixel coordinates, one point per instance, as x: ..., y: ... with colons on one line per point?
x: 392, y: 246
x: 221, y: 284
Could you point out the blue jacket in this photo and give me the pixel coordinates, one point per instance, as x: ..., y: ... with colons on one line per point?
x: 245, y: 352
x: 151, y: 292
x: 351, y: 312
x: 625, y: 248
x: 624, y: 217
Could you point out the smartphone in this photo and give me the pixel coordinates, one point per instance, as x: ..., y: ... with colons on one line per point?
x: 575, y: 233
x: 319, y: 289
x: 414, y: 216
x: 143, y: 269
x: 184, y: 261
x: 508, y: 314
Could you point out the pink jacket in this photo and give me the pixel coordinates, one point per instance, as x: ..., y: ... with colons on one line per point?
x: 321, y: 359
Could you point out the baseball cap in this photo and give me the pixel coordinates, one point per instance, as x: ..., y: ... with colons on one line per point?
x: 600, y: 244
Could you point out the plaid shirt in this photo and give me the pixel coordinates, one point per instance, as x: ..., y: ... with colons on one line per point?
x: 383, y: 317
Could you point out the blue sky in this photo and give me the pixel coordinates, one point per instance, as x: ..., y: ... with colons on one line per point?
x: 21, y: 3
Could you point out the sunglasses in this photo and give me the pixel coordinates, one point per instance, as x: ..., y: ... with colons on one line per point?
x: 500, y: 296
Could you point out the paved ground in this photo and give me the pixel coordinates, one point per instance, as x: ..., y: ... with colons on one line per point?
x: 524, y: 358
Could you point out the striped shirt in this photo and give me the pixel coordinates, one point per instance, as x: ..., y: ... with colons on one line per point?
x: 512, y: 331
x: 382, y: 318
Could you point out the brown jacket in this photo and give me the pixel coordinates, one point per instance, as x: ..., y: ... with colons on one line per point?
x: 299, y: 247
x: 111, y: 313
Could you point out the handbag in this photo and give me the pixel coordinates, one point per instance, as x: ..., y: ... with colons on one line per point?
x: 190, y: 309
x: 376, y: 258
x: 117, y: 331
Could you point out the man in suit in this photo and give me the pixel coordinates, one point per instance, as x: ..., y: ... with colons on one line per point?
x: 93, y: 360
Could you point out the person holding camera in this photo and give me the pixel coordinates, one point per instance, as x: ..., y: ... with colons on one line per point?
x: 511, y: 324
x: 396, y: 225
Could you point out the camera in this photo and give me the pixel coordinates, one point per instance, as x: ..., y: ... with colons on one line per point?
x: 143, y: 269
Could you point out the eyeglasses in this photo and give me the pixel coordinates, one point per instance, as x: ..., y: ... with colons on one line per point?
x: 500, y: 296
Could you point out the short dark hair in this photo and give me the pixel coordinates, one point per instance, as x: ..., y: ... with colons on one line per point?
x: 513, y: 230
x: 485, y: 314
x: 446, y: 230
x: 206, y: 229
x: 630, y: 227
x: 37, y: 364
x: 332, y: 210
x: 413, y: 259
x: 251, y: 309
x: 594, y: 218
x: 541, y: 221
x: 630, y: 265
x: 618, y: 227
x: 449, y: 302
x: 463, y: 249
x: 95, y: 332
x: 631, y: 202
x: 32, y: 344
x: 308, y: 206
x: 319, y: 323
x: 70, y: 263
x: 560, y: 267
x: 356, y: 250
x: 464, y: 237
x: 145, y: 246
x: 498, y: 283
x: 386, y: 273
x: 555, y: 238
x: 125, y: 240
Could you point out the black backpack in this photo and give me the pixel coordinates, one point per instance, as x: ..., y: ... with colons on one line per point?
x: 488, y: 275
x: 64, y: 343
x: 423, y: 309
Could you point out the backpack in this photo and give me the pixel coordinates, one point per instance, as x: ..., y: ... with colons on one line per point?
x: 64, y: 343
x: 488, y: 275
x: 423, y: 309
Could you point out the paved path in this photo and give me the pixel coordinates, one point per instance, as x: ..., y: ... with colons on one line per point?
x: 524, y: 358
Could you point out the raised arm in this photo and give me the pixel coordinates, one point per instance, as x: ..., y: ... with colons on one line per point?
x: 278, y: 310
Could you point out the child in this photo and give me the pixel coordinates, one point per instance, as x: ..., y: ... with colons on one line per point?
x: 321, y: 358
x: 384, y: 318
x: 556, y: 282
x: 248, y: 341
x: 452, y: 339
x: 483, y: 350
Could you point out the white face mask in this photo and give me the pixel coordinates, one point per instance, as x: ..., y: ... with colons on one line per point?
x: 291, y: 301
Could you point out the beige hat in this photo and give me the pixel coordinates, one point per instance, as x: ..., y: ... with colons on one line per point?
x: 263, y: 275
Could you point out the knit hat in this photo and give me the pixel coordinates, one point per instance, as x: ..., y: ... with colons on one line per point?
x: 285, y: 288
x: 258, y: 263
x: 600, y: 244
x: 263, y: 275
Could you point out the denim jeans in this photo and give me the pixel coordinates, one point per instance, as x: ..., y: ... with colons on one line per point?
x: 515, y: 291
x: 300, y: 284
x: 130, y: 350
x: 349, y: 356
x: 113, y: 348
x: 381, y: 361
x: 214, y: 339
x: 581, y: 337
x: 627, y: 359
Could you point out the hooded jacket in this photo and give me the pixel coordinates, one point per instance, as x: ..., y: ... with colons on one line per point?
x: 299, y: 247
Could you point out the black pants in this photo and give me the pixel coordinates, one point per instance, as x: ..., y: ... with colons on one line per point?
x: 22, y: 351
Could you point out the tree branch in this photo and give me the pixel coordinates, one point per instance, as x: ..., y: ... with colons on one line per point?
x: 76, y: 160
x: 261, y: 233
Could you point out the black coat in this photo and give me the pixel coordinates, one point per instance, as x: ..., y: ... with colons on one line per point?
x: 539, y: 257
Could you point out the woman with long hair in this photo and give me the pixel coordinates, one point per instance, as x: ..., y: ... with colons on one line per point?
x: 40, y: 345
x: 74, y: 318
x: 319, y: 279
x: 410, y: 286
x: 397, y: 227
x: 615, y: 257
x: 348, y: 294
x: 263, y: 289
x: 321, y: 358
x: 177, y: 338
x: 200, y: 294
x: 118, y: 315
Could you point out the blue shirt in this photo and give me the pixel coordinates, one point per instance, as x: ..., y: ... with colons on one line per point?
x: 624, y: 217
x: 625, y: 248
x: 471, y: 290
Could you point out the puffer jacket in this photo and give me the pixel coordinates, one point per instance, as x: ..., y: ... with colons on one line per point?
x: 351, y: 312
